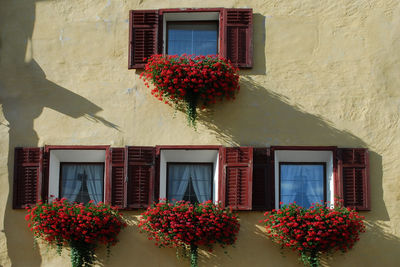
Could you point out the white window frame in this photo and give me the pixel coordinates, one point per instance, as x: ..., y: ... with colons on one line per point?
x: 58, y: 156
x: 189, y: 16
x: 315, y: 156
x: 192, y: 156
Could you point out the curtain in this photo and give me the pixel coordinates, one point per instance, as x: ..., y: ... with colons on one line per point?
x: 302, y: 183
x: 94, y: 182
x: 71, y: 185
x: 82, y: 179
x: 179, y: 176
x: 178, y: 181
x: 201, y: 180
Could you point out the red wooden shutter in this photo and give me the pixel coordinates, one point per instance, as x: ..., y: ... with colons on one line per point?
x: 143, y: 36
x: 353, y: 171
x: 141, y: 172
x: 27, y: 176
x: 263, y: 180
x: 118, y: 174
x: 237, y: 177
x: 45, y: 175
x: 237, y: 36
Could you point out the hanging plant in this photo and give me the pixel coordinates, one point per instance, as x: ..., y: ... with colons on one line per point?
x: 187, y: 226
x: 189, y: 82
x: 314, y: 231
x: 80, y: 227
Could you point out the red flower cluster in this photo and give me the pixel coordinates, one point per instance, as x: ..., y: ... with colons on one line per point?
x: 184, y: 224
x: 313, y: 231
x: 191, y: 80
x: 61, y: 222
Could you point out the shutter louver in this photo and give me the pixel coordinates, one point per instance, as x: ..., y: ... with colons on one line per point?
x: 238, y: 177
x: 237, y: 36
x: 263, y: 181
x: 118, y: 183
x: 27, y: 176
x: 354, y: 176
x: 141, y: 172
x: 143, y: 40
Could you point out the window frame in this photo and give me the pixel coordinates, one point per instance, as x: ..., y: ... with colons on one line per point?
x: 191, y: 163
x: 198, y: 12
x: 333, y: 184
x: 322, y: 163
x: 219, y: 168
x: 107, y: 167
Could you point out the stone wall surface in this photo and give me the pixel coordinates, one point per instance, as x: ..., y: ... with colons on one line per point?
x: 325, y: 73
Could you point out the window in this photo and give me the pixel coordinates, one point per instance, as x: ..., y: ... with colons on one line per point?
x: 204, y: 31
x: 304, y: 176
x: 189, y: 174
x: 82, y: 182
x: 190, y: 182
x: 192, y: 38
x: 77, y: 174
x: 303, y: 183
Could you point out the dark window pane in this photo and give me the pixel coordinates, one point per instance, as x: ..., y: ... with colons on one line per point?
x: 82, y: 182
x: 192, y: 38
x: 190, y: 182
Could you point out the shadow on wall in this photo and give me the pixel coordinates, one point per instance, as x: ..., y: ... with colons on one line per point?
x: 259, y: 117
x: 24, y: 93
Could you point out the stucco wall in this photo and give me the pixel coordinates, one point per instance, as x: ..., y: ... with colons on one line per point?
x: 325, y: 73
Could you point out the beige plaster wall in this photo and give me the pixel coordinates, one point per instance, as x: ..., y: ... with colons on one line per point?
x: 325, y: 73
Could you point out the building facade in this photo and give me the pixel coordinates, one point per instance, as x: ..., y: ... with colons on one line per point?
x: 319, y: 83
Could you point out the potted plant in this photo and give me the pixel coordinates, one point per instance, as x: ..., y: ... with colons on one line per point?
x: 314, y: 231
x: 191, y: 81
x: 77, y: 226
x: 188, y: 226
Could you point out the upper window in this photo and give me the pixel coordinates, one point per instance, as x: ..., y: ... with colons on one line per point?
x: 192, y: 38
x: 207, y: 31
x: 189, y: 182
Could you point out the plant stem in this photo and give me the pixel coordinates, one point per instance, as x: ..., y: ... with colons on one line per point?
x: 193, y: 256
x: 314, y: 260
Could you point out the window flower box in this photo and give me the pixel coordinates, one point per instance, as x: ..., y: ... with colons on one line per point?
x: 187, y: 226
x: 188, y: 82
x: 80, y: 227
x: 314, y: 231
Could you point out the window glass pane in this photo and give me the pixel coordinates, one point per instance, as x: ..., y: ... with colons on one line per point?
x: 192, y: 38
x: 190, y: 182
x: 82, y: 182
x: 303, y: 183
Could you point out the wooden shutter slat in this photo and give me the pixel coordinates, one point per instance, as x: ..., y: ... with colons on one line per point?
x: 237, y: 36
x: 353, y: 167
x: 118, y: 173
x: 141, y: 173
x: 28, y: 164
x: 237, y: 177
x: 143, y: 39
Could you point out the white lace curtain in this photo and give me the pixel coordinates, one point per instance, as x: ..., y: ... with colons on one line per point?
x: 302, y: 183
x: 179, y: 176
x: 77, y: 178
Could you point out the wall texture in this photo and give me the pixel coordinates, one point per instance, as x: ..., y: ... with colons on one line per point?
x: 325, y: 73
